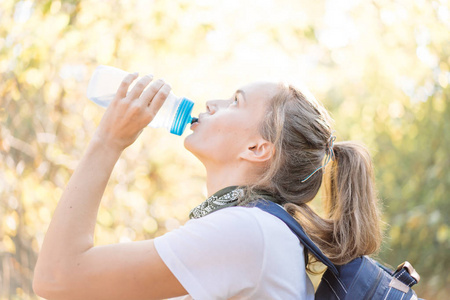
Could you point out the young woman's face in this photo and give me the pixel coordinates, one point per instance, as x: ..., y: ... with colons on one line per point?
x: 230, y: 126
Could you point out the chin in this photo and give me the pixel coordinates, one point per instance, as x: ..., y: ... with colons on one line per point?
x: 189, y: 144
x: 193, y: 146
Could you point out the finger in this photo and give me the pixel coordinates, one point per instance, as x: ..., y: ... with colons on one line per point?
x: 148, y: 95
x: 123, y: 88
x: 136, y: 91
x: 159, y: 99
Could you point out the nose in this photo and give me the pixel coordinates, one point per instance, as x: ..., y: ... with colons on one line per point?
x: 213, y: 105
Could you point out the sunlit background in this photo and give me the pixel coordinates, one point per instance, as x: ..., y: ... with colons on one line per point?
x: 381, y: 67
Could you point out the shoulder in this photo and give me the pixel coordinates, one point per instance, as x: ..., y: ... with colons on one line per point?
x: 228, y: 224
x: 207, y: 255
x: 239, y: 221
x: 236, y: 230
x: 226, y: 228
x: 250, y: 220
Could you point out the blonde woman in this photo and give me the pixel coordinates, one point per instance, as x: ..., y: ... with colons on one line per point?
x: 266, y: 141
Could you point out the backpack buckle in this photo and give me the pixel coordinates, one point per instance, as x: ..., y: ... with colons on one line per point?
x: 410, y: 269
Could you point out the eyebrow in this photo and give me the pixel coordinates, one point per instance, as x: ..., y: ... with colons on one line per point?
x: 242, y: 93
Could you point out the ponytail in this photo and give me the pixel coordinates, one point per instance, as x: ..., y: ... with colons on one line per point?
x: 350, y: 227
x: 351, y: 203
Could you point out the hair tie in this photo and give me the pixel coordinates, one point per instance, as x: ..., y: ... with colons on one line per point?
x: 329, y: 155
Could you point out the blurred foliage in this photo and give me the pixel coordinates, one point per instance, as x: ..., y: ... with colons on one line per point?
x: 381, y: 67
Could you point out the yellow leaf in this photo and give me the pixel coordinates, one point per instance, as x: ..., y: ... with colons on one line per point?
x: 8, y: 244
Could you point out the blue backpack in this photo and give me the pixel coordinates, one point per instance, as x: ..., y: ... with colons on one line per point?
x: 362, y: 278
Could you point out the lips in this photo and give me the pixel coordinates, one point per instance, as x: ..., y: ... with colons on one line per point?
x: 194, y: 123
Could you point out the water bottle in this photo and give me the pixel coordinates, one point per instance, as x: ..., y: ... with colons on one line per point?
x: 173, y: 115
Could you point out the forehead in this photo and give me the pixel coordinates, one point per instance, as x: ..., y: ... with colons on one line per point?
x: 260, y: 90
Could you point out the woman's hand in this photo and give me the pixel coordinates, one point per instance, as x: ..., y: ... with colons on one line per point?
x: 128, y: 114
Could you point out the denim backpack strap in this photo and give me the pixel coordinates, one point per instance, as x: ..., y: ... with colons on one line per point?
x: 402, y: 280
x: 406, y: 274
x: 294, y: 226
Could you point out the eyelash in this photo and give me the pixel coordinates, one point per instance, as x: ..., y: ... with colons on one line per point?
x: 235, y: 99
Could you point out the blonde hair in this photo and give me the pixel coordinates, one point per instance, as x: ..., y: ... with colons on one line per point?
x: 300, y: 130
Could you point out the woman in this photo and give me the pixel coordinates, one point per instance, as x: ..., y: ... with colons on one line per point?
x: 267, y: 141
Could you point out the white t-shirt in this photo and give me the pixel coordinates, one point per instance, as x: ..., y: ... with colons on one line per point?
x: 237, y: 253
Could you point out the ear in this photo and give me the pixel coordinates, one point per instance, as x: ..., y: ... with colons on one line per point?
x: 258, y: 152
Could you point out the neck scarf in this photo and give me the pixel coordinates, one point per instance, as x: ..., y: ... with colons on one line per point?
x: 226, y: 197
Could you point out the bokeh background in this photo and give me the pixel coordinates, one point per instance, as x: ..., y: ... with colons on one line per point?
x: 381, y: 67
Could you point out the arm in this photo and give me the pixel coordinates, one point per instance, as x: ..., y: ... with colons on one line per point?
x: 69, y: 266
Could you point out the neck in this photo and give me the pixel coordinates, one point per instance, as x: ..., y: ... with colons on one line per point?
x: 219, y: 178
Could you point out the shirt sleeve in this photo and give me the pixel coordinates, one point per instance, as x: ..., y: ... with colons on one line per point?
x: 217, y: 256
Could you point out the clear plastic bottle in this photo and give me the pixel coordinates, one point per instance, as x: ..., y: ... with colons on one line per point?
x: 174, y: 114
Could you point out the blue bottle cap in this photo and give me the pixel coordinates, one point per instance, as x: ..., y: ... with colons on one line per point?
x: 182, y: 117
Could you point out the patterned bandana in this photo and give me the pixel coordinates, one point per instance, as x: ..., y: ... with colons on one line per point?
x: 226, y: 197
